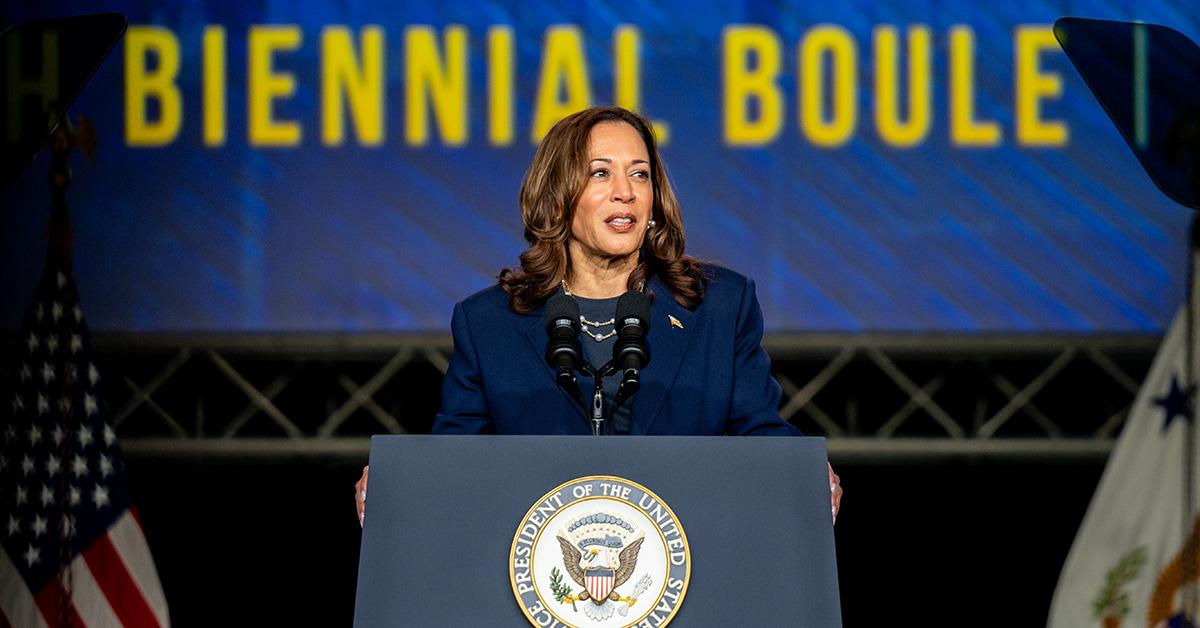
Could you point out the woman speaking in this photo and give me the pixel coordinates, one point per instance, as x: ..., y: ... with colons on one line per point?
x: 602, y: 220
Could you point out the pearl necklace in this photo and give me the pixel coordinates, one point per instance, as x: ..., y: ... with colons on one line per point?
x: 584, y: 327
x: 598, y: 337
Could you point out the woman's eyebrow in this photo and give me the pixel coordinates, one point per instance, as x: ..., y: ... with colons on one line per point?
x: 609, y: 161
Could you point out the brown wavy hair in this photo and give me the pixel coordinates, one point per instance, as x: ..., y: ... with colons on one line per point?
x: 551, y: 189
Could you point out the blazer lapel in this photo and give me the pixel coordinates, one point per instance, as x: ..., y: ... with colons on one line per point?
x: 671, y: 327
x: 538, y: 339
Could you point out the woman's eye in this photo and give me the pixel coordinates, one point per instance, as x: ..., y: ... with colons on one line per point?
x: 641, y: 174
x: 600, y: 172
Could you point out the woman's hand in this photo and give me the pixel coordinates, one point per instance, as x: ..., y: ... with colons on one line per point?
x: 360, y: 494
x: 835, y: 491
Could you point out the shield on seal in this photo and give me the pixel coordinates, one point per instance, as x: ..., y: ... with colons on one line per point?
x: 599, y: 583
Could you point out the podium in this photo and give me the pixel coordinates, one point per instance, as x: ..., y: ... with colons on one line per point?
x: 597, y: 531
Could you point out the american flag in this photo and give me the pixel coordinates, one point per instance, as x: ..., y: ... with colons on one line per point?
x: 74, y: 552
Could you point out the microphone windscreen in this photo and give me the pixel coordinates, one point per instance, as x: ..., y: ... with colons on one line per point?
x: 634, y: 304
x: 560, y: 306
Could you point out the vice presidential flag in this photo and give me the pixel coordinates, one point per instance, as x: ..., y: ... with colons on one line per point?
x: 1127, y: 567
x: 73, y: 549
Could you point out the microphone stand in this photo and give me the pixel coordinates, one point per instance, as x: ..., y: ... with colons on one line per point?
x: 599, y: 419
x: 600, y: 423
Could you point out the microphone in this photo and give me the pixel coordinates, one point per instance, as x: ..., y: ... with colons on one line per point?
x: 562, y: 349
x: 631, y: 353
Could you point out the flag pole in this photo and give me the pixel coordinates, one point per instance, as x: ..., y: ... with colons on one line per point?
x: 62, y: 141
x: 59, y: 235
x: 1190, y: 548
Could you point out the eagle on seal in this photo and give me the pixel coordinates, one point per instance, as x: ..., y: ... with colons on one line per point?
x: 599, y: 557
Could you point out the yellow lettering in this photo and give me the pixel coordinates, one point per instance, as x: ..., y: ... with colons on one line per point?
x: 141, y: 84
x: 662, y: 132
x: 213, y: 86
x: 265, y: 86
x: 565, y: 67
x: 627, y: 76
x: 965, y: 129
x: 887, y: 90
x: 500, y: 85
x: 1033, y: 86
x: 835, y: 42
x: 430, y: 80
x: 362, y: 85
x: 743, y: 84
x: 43, y: 87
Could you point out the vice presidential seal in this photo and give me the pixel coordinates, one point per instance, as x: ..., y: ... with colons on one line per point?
x: 600, y: 551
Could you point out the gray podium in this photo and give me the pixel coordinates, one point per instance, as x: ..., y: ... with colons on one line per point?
x: 443, y: 537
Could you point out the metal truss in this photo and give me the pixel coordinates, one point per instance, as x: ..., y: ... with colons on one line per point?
x: 920, y: 397
x: 877, y: 398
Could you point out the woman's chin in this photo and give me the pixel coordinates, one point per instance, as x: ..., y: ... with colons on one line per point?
x: 611, y: 249
x: 620, y: 252
x: 619, y: 245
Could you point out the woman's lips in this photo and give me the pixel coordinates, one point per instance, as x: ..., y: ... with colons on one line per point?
x: 621, y: 223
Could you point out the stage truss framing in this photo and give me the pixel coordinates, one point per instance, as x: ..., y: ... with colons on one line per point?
x: 878, y: 398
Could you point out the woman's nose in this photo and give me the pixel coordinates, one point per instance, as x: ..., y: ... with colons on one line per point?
x: 623, y: 189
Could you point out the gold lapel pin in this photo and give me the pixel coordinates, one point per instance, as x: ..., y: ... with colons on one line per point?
x: 675, y: 321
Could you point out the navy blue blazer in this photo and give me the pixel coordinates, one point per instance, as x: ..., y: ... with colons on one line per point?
x: 708, y: 375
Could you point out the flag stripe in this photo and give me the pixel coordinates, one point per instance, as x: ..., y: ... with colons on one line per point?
x: 16, y: 601
x: 89, y: 599
x: 129, y: 541
x: 59, y: 421
x: 118, y: 586
x: 599, y: 586
x: 48, y: 602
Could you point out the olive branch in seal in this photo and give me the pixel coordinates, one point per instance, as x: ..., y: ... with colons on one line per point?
x: 1113, y: 600
x: 559, y: 589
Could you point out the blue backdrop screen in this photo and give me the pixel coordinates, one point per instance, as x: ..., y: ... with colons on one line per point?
x: 886, y: 166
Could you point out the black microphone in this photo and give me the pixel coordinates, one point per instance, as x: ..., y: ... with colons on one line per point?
x: 631, y: 353
x: 562, y: 349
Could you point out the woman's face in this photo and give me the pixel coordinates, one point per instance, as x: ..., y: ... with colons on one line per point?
x: 611, y: 215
